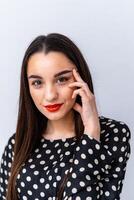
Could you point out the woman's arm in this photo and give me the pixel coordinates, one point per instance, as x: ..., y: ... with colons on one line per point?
x: 112, y: 183
x: 99, y: 167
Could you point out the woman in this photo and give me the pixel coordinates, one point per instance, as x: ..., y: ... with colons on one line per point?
x: 62, y: 148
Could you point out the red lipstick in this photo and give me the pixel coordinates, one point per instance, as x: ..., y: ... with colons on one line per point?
x: 53, y: 108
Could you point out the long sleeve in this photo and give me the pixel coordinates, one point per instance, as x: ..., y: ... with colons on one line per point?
x: 112, y: 182
x: 5, y: 166
x: 99, y: 167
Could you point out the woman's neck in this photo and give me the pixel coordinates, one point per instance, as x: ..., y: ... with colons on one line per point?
x: 63, y: 128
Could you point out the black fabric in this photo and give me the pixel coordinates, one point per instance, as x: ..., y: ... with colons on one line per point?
x: 97, y: 171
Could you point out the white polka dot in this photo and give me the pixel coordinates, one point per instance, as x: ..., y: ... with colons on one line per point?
x: 66, y: 144
x: 13, y: 141
x: 107, y: 193
x: 124, y: 139
x: 102, y: 156
x: 122, y: 149
x: 47, y: 186
x: 42, y: 194
x: 83, y: 156
x: 124, y: 130
x: 84, y: 142
x: 116, y: 139
x: 77, y: 148
x: 97, y: 188
x: 35, y: 186
x: 54, y: 184
x: 36, y: 172
x: 42, y: 162
x: 76, y: 162
x: 74, y: 175
x: 74, y: 190
x: 36, y: 150
x: 81, y: 169
x: 48, y: 151
x: 90, y: 165
x: 90, y: 151
x: 114, y: 148
x: 88, y: 198
x: 29, y: 192
x: 32, y: 166
x: 24, y: 198
x: 78, y: 198
x: 89, y: 188
x: 97, y: 146
x: 120, y: 159
x: 117, y: 169
x: 38, y: 156
x: 62, y: 164
x: 115, y: 175
x: 115, y: 130
x: 96, y: 172
x: 82, y: 184
x: 42, y: 180
x: 96, y: 161
x: 113, y: 188
x: 24, y: 171
x: 22, y: 184
x: 58, y: 178
x: 30, y: 160
x: 67, y: 153
x: 68, y: 184
x: 28, y: 178
x: 88, y: 177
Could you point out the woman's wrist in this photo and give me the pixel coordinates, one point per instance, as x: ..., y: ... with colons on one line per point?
x: 93, y: 133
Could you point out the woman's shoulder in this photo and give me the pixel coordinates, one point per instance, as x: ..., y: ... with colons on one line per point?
x: 10, y: 143
x: 115, y: 137
x: 113, y: 129
x: 8, y: 152
x: 11, y: 140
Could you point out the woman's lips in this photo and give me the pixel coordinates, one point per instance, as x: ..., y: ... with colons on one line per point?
x: 53, y: 108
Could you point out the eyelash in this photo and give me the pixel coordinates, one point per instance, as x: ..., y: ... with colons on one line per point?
x: 65, y: 78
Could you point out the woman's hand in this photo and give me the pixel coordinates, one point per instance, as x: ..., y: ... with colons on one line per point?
x: 88, y: 110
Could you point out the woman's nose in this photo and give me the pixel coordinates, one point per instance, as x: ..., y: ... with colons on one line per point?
x: 50, y: 93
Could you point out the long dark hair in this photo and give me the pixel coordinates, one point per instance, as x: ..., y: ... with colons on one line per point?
x: 31, y: 123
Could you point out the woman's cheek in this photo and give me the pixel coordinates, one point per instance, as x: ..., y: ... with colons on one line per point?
x: 66, y: 91
x: 69, y: 94
x: 70, y: 91
x: 35, y: 95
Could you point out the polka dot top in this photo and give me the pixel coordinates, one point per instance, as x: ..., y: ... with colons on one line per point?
x: 97, y: 167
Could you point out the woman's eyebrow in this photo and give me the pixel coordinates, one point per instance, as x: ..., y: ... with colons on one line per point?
x: 56, y: 75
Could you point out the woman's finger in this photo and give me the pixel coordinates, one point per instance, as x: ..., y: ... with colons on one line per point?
x: 77, y: 76
x: 81, y: 92
x: 82, y: 85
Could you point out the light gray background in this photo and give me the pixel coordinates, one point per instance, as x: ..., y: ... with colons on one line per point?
x: 103, y: 30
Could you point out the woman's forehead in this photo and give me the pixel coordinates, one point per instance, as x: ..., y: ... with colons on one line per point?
x: 53, y: 62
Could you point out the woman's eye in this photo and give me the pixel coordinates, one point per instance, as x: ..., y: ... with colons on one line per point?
x: 63, y: 79
x: 36, y: 83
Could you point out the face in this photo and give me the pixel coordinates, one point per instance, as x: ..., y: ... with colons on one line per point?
x: 48, y: 77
